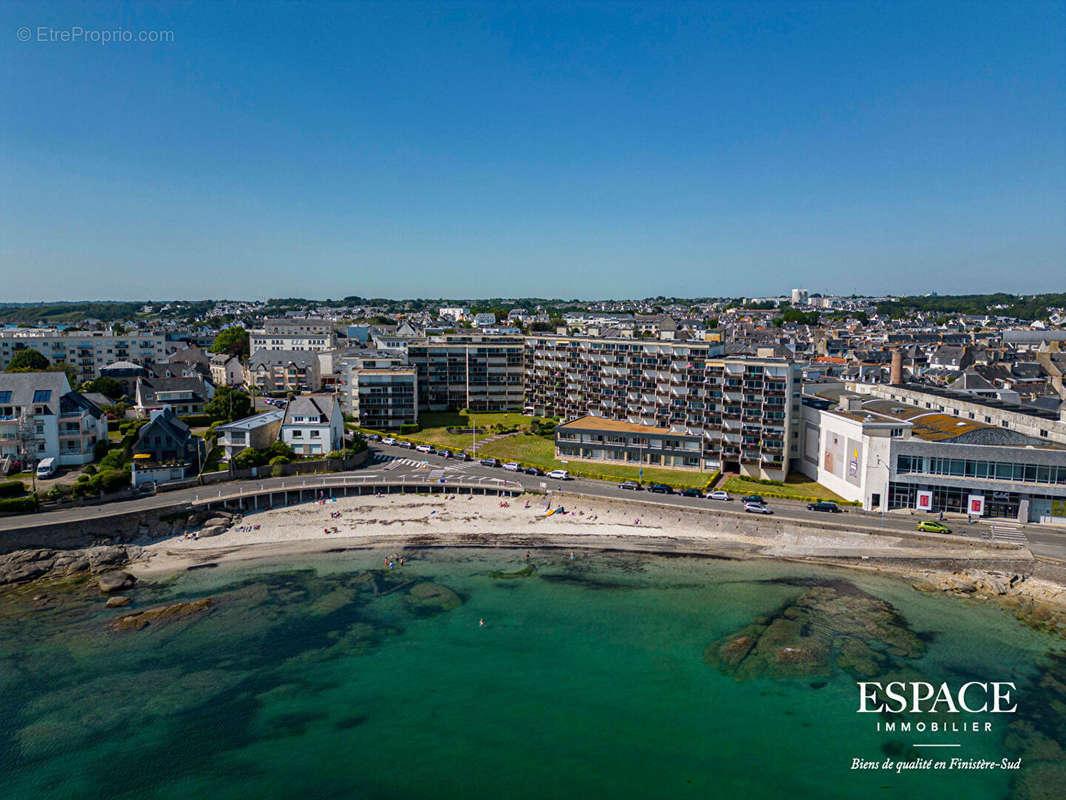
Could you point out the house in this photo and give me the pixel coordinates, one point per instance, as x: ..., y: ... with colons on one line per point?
x: 258, y: 431
x: 484, y: 320
x: 126, y: 373
x: 189, y: 361
x: 313, y: 424
x: 165, y: 449
x: 184, y: 395
x: 41, y: 417
x: 226, y: 370
x: 283, y: 371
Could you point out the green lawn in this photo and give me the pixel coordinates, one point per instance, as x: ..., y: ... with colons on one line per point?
x: 435, y: 426
x: 796, y: 486
x: 539, y: 451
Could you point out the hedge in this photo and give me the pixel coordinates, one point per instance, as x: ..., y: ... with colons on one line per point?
x: 197, y: 420
x: 18, y: 504
x: 12, y: 489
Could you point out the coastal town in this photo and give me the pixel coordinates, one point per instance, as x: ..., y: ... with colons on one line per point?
x: 939, y: 405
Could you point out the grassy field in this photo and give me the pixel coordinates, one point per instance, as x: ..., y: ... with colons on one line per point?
x: 539, y: 451
x: 435, y: 426
x: 796, y: 486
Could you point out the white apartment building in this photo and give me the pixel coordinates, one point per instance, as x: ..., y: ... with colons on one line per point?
x: 293, y: 334
x: 86, y: 351
x: 40, y: 417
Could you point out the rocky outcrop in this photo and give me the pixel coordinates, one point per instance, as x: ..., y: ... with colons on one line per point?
x: 826, y: 628
x: 117, y: 601
x: 971, y: 582
x: 115, y: 580
x: 161, y: 614
x: 432, y: 597
x: 27, y: 565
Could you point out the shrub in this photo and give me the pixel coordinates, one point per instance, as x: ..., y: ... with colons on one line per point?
x: 12, y: 505
x: 197, y: 420
x: 100, y: 449
x: 12, y: 489
x: 278, y: 461
x: 112, y: 480
x: 410, y: 428
x: 277, y: 471
x: 89, y: 470
x: 84, y: 477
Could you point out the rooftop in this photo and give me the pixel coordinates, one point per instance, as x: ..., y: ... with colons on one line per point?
x: 604, y: 424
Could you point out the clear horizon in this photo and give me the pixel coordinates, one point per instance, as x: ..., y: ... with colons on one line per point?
x: 515, y: 150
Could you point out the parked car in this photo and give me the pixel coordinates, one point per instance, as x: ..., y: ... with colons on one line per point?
x: 630, y: 485
x: 490, y: 462
x: 373, y: 437
x: 757, y: 508
x: 559, y: 474
x: 932, y: 526
x: 718, y: 494
x: 754, y: 498
x: 534, y: 471
x: 691, y: 492
x: 461, y: 456
x: 824, y: 505
x: 661, y: 488
x: 388, y: 440
x: 446, y: 454
x: 408, y: 445
x: 512, y: 466
x: 424, y: 448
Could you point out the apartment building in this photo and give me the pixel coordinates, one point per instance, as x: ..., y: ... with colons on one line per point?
x: 480, y: 373
x: 283, y: 371
x: 293, y: 334
x: 384, y: 399
x: 891, y: 453
x: 730, y: 412
x: 86, y: 351
x: 41, y: 417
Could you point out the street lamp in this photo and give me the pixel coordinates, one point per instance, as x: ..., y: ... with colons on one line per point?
x: 888, y: 481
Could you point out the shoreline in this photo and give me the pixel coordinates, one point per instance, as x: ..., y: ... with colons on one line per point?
x: 412, y: 522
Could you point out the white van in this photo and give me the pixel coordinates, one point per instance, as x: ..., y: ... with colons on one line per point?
x: 47, y: 468
x: 560, y: 474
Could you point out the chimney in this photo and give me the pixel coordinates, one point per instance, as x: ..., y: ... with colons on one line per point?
x: 896, y: 376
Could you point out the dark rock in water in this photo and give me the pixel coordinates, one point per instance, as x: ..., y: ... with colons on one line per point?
x: 350, y: 722
x: 819, y: 684
x: 117, y: 601
x: 115, y: 581
x: 171, y: 613
x: 432, y: 597
x: 826, y: 627
x: 522, y: 573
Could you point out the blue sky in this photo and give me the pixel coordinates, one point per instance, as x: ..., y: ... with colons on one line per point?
x: 550, y: 149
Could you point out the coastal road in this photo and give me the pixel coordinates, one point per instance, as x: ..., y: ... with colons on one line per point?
x: 397, y: 463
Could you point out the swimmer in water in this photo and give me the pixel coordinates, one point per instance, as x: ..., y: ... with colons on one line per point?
x: 571, y: 555
x: 481, y: 622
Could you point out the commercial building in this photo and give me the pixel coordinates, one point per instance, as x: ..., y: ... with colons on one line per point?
x: 739, y: 408
x: 480, y: 373
x: 86, y: 351
x: 893, y: 454
x: 41, y: 417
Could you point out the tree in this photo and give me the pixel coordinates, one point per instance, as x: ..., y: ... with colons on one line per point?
x: 228, y: 404
x: 232, y: 340
x: 108, y: 387
x: 28, y: 360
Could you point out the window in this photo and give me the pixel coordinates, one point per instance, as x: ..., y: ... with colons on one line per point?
x: 1043, y: 433
x: 315, y: 434
x: 5, y: 397
x: 42, y: 395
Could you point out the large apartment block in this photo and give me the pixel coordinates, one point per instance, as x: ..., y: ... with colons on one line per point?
x: 293, y: 334
x: 383, y: 399
x: 481, y: 373
x: 686, y: 404
x: 86, y: 351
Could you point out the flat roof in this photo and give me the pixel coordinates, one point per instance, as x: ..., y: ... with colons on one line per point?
x: 604, y: 424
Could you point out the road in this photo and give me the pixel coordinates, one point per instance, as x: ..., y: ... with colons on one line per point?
x: 398, y: 463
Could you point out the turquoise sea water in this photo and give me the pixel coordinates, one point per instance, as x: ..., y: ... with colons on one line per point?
x: 588, y: 679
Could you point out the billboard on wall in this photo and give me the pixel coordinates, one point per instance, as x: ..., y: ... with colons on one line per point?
x: 923, y: 500
x: 975, y: 505
x: 833, y: 458
x: 854, y: 472
x: 810, y: 443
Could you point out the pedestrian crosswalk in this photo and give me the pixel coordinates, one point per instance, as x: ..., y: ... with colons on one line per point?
x: 381, y: 458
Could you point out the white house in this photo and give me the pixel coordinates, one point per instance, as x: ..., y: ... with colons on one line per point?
x: 313, y: 424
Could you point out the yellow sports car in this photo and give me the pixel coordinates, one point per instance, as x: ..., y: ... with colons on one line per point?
x: 932, y: 526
